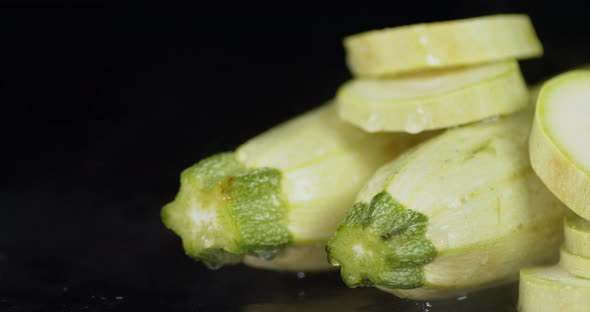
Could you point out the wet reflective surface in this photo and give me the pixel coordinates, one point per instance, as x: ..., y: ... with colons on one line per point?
x: 242, y: 290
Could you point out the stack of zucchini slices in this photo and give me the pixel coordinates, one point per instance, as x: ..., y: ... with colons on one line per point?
x: 437, y: 75
x: 560, y: 155
x: 417, y: 178
x: 463, y: 210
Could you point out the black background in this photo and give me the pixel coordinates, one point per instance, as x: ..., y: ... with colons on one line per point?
x: 102, y: 106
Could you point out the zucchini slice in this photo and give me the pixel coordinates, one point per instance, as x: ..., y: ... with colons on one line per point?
x: 551, y: 289
x: 576, y: 265
x: 577, y: 236
x: 427, y: 46
x: 559, y: 143
x: 434, y: 100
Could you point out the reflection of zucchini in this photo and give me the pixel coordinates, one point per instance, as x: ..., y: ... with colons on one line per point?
x: 435, y: 100
x: 552, y: 289
x: 423, y: 47
x: 290, y: 186
x: 461, y: 211
x: 560, y: 153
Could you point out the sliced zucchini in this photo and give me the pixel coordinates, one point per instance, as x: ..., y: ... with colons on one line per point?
x: 423, y: 47
x: 280, y: 195
x: 434, y: 100
x: 577, y: 236
x: 560, y: 153
x: 552, y: 289
x: 459, y: 212
x: 576, y: 265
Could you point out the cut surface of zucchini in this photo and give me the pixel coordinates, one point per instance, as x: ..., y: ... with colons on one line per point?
x: 576, y: 265
x: 427, y: 46
x: 577, y: 236
x: 559, y: 143
x: 433, y: 100
x: 551, y: 289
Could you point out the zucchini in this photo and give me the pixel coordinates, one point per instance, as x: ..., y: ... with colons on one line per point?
x: 427, y: 46
x: 300, y: 258
x: 459, y: 212
x: 434, y: 100
x: 576, y: 265
x: 279, y: 195
x: 560, y: 154
x: 551, y: 289
x: 577, y: 236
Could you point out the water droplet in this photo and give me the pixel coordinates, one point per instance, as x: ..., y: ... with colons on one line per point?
x: 493, y: 118
x: 423, y: 40
x: 373, y: 118
x: 424, y: 306
x: 266, y: 254
x: 300, y: 275
x: 432, y: 60
x: 413, y: 125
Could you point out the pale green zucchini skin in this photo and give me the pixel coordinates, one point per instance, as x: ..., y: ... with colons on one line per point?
x: 280, y: 195
x: 459, y: 212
